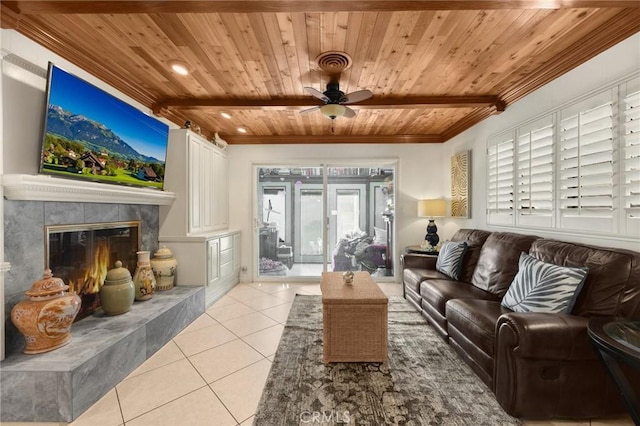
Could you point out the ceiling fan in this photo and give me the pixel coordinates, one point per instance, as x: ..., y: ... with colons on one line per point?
x: 334, y: 99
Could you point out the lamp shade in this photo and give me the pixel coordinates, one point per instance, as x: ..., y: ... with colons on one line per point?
x: 432, y: 208
x: 332, y: 110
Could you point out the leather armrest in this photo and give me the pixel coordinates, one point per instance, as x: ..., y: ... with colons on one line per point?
x: 543, y: 336
x: 545, y: 367
x: 418, y: 261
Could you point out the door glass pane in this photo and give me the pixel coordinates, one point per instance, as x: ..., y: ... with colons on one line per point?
x: 348, y: 211
x: 310, y: 222
x: 273, y: 209
x: 360, y: 210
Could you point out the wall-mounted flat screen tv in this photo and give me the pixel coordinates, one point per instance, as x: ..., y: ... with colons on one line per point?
x: 92, y: 135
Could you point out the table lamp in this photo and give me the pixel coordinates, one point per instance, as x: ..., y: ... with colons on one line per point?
x: 430, y: 209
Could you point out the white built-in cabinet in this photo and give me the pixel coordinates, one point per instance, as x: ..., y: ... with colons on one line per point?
x: 197, y: 172
x: 196, y: 226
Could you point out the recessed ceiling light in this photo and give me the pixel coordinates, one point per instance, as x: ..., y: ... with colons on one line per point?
x: 225, y: 115
x: 242, y: 130
x: 179, y: 67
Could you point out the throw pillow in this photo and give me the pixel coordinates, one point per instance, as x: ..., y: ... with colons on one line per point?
x: 380, y: 236
x: 450, y: 259
x: 543, y: 287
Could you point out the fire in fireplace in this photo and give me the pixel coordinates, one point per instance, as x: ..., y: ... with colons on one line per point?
x: 82, y: 254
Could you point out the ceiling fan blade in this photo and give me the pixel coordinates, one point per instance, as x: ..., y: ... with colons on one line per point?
x: 316, y: 94
x: 308, y: 110
x: 357, y: 96
x: 349, y: 113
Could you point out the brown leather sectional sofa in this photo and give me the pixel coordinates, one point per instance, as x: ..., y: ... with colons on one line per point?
x: 539, y: 365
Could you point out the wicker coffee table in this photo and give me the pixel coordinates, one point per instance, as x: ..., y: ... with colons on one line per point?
x: 354, y: 319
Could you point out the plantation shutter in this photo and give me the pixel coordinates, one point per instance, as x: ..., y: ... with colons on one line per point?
x: 500, y: 186
x: 586, y: 162
x: 535, y: 172
x: 631, y: 166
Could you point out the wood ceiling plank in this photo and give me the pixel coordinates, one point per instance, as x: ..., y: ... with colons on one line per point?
x: 492, y: 41
x: 286, y: 37
x: 315, y: 77
x: 414, y: 78
x: 484, y: 29
x: 361, y: 34
x: 34, y: 7
x: 399, y: 52
x: 301, y: 65
x: 9, y: 18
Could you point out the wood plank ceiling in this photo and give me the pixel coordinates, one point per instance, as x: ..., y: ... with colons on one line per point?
x: 435, y: 67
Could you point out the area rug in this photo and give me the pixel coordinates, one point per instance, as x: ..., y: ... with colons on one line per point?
x: 423, y: 383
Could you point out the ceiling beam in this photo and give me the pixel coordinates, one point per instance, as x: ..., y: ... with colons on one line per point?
x: 377, y: 102
x: 36, y: 7
x: 330, y: 139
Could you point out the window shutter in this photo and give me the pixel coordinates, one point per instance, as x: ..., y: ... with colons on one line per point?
x: 535, y: 169
x: 631, y: 167
x: 586, y: 162
x: 500, y: 193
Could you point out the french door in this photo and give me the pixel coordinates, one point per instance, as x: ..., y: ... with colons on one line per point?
x: 326, y: 218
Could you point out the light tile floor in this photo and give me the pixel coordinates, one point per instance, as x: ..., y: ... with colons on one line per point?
x: 213, y: 372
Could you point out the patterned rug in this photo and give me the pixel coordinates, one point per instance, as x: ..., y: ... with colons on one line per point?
x: 423, y: 383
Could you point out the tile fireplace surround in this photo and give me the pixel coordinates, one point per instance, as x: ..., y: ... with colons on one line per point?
x: 61, y: 384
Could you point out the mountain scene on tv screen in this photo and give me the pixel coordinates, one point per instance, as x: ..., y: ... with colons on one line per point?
x: 80, y: 146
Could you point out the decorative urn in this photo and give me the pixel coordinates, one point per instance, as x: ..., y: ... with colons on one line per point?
x: 143, y: 280
x: 347, y: 277
x: 164, y: 266
x: 117, y: 292
x: 45, y: 318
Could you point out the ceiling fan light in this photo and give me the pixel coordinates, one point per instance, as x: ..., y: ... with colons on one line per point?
x: 332, y: 110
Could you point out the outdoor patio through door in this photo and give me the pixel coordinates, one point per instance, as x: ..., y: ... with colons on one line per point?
x: 325, y: 218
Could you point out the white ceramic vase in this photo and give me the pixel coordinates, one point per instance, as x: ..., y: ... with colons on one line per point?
x: 164, y: 266
x: 143, y: 279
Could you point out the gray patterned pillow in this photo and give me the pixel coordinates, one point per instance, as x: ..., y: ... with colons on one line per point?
x: 543, y: 287
x: 450, y: 259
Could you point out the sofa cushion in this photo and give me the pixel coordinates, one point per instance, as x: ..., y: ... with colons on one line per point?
x: 450, y: 259
x: 437, y: 292
x: 498, y: 262
x: 612, y: 287
x: 474, y: 238
x: 414, y: 276
x: 543, y: 287
x: 476, y: 320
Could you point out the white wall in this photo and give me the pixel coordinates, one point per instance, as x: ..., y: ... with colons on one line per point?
x: 420, y: 174
x: 614, y: 64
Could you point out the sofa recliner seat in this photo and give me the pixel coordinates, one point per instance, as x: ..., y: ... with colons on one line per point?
x: 539, y: 365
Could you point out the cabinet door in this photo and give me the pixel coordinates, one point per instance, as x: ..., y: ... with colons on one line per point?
x: 207, y: 186
x: 221, y: 202
x: 213, y: 261
x: 195, y: 185
x: 236, y: 252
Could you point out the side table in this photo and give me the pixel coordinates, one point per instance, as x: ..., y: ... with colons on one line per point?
x: 618, y: 342
x: 419, y: 250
